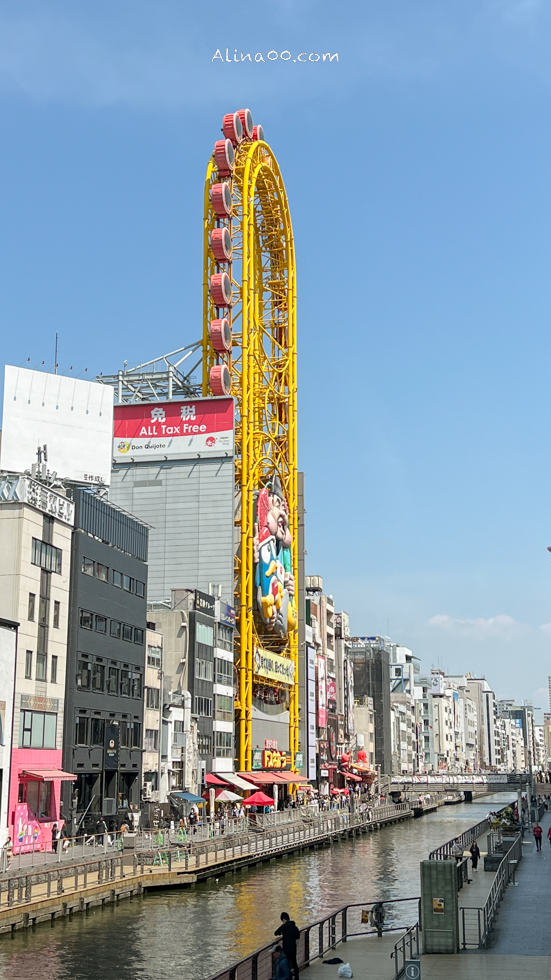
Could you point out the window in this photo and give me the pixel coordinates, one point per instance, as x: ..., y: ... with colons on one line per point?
x: 84, y: 675
x: 204, y: 744
x: 97, y: 731
x: 136, y: 735
x: 43, y: 612
x: 88, y: 566
x: 124, y: 734
x: 152, y: 697
x: 98, y: 677
x: 125, y: 683
x: 115, y: 629
x: 28, y: 664
x: 102, y: 572
x: 223, y: 745
x: 151, y: 740
x: 127, y: 632
x: 140, y: 589
x: 223, y: 707
x: 136, y: 681
x: 46, y: 556
x: 31, y: 606
x: 113, y: 680
x: 86, y: 619
x: 178, y: 727
x: 117, y: 579
x: 154, y: 655
x: 37, y: 730
x: 81, y: 731
x: 127, y: 583
x: 203, y: 707
x: 204, y: 634
x: 138, y: 635
x: 224, y: 672
x: 101, y: 624
x: 203, y: 670
x: 224, y: 637
x: 53, y: 674
x: 40, y: 674
x: 56, y: 614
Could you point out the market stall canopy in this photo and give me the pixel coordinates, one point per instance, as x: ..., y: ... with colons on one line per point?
x: 226, y: 796
x: 259, y: 799
x: 212, y: 780
x: 291, y: 777
x: 237, y: 781
x: 46, y: 775
x: 189, y: 798
x: 265, y: 778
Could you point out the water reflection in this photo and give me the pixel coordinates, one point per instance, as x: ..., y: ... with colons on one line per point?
x: 194, y: 933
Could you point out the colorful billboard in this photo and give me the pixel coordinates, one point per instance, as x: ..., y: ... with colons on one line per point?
x: 73, y: 419
x: 273, y: 667
x: 322, y: 693
x: 272, y: 543
x: 173, y: 430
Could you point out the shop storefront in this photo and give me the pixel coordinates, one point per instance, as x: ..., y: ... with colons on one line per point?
x: 35, y: 799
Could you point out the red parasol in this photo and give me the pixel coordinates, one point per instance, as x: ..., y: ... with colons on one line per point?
x: 259, y: 799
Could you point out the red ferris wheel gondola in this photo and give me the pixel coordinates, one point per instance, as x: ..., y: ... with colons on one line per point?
x: 220, y: 287
x: 220, y: 198
x: 232, y: 127
x: 219, y: 380
x: 246, y: 118
x: 220, y: 335
x: 224, y: 157
x: 220, y: 242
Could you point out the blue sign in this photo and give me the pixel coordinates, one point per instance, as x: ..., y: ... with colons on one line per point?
x: 227, y: 615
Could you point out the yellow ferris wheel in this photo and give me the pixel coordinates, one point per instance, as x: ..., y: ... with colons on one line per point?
x: 249, y: 351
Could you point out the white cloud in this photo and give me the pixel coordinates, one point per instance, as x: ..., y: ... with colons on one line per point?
x: 499, y: 627
x: 545, y: 627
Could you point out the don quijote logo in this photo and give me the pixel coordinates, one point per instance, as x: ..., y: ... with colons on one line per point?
x: 123, y: 446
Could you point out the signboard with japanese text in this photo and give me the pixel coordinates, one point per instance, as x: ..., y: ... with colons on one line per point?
x: 275, y: 759
x: 173, y: 430
x: 257, y: 759
x: 322, y: 693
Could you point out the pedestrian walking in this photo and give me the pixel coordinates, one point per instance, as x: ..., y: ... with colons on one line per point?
x: 289, y: 933
x: 56, y: 834
x: 538, y: 834
x: 549, y: 836
x: 475, y: 854
x: 7, y: 852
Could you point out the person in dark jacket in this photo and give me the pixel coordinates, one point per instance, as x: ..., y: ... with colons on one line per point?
x: 289, y: 933
x: 475, y: 854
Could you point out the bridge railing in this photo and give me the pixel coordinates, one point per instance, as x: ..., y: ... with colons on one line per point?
x: 318, y: 938
x: 465, y: 839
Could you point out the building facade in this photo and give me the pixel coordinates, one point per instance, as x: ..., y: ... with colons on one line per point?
x: 104, y: 694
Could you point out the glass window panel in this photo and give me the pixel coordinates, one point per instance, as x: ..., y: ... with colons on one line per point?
x: 117, y: 579
x: 97, y: 731
x: 32, y: 602
x: 101, y: 624
x: 98, y: 677
x: 102, y: 572
x: 49, y: 731
x: 115, y: 629
x: 125, y: 683
x: 138, y: 635
x: 127, y: 583
x: 41, y: 666
x: 140, y: 588
x: 88, y: 566
x: 86, y: 619
x: 113, y: 680
x: 54, y: 670
x: 28, y: 664
x: 56, y: 614
x: 37, y: 730
x: 127, y: 632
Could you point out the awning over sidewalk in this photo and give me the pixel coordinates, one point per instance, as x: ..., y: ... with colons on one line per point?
x: 235, y: 780
x: 350, y: 775
x: 292, y: 777
x: 212, y: 780
x: 47, y: 775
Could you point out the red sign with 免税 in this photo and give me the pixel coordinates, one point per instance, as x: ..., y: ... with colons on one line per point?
x: 173, y: 430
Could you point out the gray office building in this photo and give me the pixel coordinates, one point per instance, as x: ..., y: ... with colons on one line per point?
x: 105, y: 662
x: 370, y: 656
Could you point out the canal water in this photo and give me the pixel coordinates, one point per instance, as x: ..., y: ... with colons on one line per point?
x: 190, y: 934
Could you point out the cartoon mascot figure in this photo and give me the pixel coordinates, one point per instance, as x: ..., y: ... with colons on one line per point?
x: 274, y: 580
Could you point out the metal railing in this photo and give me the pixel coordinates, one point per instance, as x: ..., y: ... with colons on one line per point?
x: 477, y: 923
x: 67, y: 849
x: 191, y: 856
x: 407, y: 948
x: 445, y: 850
x: 318, y: 938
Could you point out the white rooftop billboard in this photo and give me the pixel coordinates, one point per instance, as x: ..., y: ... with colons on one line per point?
x: 73, y: 418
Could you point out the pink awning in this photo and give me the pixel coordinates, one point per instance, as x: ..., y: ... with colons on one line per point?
x: 212, y: 780
x: 47, y: 775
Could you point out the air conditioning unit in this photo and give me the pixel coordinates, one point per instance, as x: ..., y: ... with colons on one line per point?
x: 109, y: 807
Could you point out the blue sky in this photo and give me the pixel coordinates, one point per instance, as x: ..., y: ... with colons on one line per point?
x: 417, y: 167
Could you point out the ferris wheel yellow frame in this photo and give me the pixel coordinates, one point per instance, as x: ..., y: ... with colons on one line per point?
x: 262, y: 363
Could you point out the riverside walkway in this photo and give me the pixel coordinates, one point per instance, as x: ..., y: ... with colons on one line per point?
x: 34, y: 895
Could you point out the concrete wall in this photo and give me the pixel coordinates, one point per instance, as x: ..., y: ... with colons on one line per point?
x: 190, y: 505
